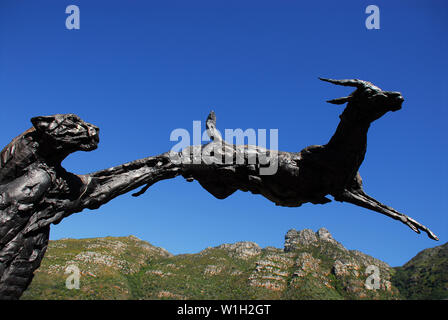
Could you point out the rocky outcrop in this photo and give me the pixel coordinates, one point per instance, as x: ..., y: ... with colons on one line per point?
x: 242, y: 250
x: 271, y: 272
x: 341, y: 269
x: 296, y: 239
x: 212, y: 270
x: 314, y: 265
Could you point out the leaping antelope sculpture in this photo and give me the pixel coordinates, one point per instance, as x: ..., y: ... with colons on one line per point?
x: 316, y: 171
x: 36, y: 191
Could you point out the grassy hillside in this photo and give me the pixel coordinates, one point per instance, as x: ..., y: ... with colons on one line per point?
x: 425, y: 276
x: 310, y: 266
x: 106, y: 266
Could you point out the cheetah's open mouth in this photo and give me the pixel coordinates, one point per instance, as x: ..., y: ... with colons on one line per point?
x: 90, y: 144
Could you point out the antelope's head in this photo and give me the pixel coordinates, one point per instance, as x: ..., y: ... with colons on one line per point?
x: 368, y: 102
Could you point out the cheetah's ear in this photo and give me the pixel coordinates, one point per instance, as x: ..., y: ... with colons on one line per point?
x: 44, y: 123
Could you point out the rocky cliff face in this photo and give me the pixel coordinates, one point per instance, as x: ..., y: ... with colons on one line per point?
x: 312, y: 265
x: 316, y: 266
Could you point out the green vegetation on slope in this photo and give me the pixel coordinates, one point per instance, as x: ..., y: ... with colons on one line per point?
x: 425, y: 276
x: 311, y: 266
x: 105, y: 265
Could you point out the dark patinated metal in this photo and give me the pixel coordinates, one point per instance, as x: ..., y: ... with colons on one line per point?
x: 35, y: 191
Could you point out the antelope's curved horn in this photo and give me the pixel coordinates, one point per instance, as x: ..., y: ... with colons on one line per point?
x: 346, y: 82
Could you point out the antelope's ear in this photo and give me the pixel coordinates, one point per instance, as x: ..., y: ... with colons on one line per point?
x: 340, y: 100
x: 44, y: 123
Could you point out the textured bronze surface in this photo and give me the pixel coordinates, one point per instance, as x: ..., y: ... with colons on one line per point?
x: 35, y: 191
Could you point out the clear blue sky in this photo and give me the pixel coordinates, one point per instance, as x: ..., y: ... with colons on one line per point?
x: 139, y: 69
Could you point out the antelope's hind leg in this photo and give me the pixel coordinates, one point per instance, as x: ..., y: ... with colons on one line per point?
x: 356, y: 195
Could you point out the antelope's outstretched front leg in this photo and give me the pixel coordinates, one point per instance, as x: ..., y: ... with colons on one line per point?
x: 356, y: 195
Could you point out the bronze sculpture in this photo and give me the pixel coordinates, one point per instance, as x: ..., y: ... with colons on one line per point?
x: 36, y: 191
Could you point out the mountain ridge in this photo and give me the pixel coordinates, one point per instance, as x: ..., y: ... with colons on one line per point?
x: 311, y: 265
